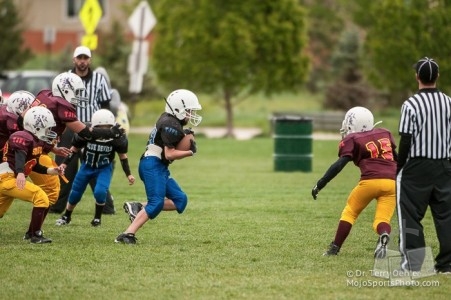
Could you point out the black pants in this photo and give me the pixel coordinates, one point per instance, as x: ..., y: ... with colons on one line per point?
x: 71, y: 171
x: 424, y: 183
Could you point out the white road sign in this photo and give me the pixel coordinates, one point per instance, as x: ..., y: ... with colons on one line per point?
x: 138, y: 62
x: 142, y: 20
x: 136, y: 83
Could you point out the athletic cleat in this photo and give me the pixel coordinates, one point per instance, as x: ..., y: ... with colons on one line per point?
x: 132, y: 209
x: 381, y: 247
x: 38, y: 238
x: 333, y: 250
x: 96, y: 222
x: 108, y: 210
x: 126, y: 238
x: 63, y: 221
x: 27, y: 236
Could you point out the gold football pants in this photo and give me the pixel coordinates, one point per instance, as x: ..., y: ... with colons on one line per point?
x: 383, y: 190
x: 30, y: 193
x: 50, y: 184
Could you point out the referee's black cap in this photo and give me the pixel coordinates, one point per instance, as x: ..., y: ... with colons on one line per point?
x: 427, y: 70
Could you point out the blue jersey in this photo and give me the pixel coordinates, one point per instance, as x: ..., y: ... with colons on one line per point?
x: 167, y: 132
x: 99, y: 153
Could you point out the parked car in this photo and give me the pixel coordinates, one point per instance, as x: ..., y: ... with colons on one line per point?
x: 32, y: 81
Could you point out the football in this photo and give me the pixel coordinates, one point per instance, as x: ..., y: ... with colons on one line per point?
x: 185, y: 143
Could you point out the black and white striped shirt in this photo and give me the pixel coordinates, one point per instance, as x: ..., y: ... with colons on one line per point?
x: 97, y: 92
x: 427, y: 117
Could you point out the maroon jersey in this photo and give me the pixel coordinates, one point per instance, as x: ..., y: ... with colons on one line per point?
x: 372, y: 151
x: 63, y: 111
x: 8, y: 125
x: 26, y: 142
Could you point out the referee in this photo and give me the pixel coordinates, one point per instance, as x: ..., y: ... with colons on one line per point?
x: 99, y: 96
x: 424, y: 169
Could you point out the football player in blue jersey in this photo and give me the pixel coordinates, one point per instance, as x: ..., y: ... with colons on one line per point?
x: 97, y: 157
x: 162, y: 191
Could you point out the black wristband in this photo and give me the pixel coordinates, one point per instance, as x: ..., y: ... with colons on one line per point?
x: 126, y: 167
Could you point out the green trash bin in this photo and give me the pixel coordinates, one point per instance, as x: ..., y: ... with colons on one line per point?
x: 292, y: 143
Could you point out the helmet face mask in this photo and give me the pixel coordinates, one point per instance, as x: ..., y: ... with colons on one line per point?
x: 39, y: 121
x: 183, y: 104
x: 19, y: 102
x: 357, y: 119
x: 70, y: 87
x: 193, y: 117
x: 104, y: 118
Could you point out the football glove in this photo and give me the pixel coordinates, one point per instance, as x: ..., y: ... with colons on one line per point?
x: 193, y: 146
x: 188, y: 131
x: 315, y: 191
x: 117, y: 131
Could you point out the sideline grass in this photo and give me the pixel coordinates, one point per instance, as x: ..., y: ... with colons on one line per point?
x: 248, y: 233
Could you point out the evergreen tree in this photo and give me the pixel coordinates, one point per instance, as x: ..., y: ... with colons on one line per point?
x: 325, y: 25
x: 349, y: 88
x: 12, y: 53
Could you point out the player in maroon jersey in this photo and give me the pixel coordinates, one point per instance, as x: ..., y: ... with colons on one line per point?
x: 20, y: 158
x: 373, y: 151
x: 8, y: 125
x: 17, y: 103
x: 62, y: 101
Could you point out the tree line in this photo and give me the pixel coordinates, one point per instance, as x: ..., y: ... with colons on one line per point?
x: 354, y: 52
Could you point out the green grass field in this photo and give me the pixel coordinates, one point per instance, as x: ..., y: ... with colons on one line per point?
x: 248, y: 233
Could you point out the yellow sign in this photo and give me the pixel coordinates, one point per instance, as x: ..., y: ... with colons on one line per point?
x: 90, y: 41
x: 90, y: 15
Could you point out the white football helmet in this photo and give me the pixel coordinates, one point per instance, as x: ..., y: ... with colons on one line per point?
x: 19, y: 101
x: 184, y: 104
x: 69, y: 86
x: 39, y: 121
x: 357, y: 119
x: 103, y: 117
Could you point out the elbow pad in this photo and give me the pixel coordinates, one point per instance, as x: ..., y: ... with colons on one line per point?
x: 96, y: 133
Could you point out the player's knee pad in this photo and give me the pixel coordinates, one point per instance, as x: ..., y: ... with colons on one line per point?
x: 5, y: 203
x: 100, y: 196
x: 74, y: 197
x: 180, y: 203
x: 153, y: 210
x: 40, y: 198
x: 349, y: 215
x: 49, y: 183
